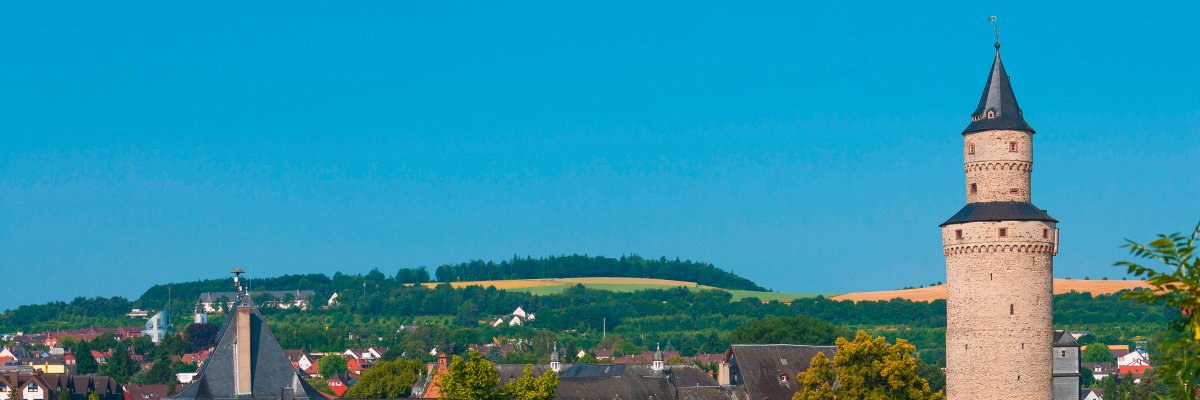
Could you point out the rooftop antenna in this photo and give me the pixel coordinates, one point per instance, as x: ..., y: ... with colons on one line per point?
x: 996, y: 29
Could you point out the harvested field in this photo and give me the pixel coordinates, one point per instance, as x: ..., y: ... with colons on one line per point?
x: 939, y: 292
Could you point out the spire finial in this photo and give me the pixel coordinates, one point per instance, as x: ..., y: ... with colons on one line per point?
x: 996, y: 29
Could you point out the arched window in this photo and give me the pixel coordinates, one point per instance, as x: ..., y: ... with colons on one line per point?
x: 991, y: 114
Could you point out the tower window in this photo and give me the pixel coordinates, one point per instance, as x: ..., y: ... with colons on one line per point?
x: 1045, y: 233
x: 1003, y: 232
x: 1012, y: 309
x: 1012, y: 147
x: 971, y: 148
x: 991, y: 114
x: 989, y: 276
x: 958, y: 234
x: 973, y: 188
x: 1063, y: 354
x: 1014, y: 190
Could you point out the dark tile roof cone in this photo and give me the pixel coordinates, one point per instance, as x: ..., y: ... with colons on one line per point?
x: 997, y: 109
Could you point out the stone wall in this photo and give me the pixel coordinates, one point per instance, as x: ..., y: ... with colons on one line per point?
x: 999, y: 310
x: 998, y: 172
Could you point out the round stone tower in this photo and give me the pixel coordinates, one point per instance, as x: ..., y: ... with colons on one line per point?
x: 999, y: 260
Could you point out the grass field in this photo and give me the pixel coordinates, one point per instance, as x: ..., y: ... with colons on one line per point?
x: 557, y: 285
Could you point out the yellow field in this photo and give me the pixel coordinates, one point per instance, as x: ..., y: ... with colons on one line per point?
x: 939, y: 292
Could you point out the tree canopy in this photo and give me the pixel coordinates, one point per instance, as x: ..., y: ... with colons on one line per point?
x: 387, y: 380
x: 331, y: 365
x: 866, y: 368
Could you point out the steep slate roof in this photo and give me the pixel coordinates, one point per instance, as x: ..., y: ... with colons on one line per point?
x: 271, y: 371
x: 999, y: 211
x: 1064, y: 339
x: 998, y: 97
x: 759, y: 365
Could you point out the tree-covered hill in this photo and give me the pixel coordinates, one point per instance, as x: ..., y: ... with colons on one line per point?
x: 582, y: 266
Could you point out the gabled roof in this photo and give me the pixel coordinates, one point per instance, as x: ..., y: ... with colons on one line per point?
x: 271, y: 371
x: 1064, y: 339
x: 759, y: 366
x: 999, y: 99
x: 999, y: 211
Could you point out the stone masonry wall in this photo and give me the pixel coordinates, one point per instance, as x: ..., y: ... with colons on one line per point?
x: 998, y: 310
x: 998, y: 173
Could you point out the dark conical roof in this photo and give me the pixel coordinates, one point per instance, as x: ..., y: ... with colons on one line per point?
x: 999, y: 99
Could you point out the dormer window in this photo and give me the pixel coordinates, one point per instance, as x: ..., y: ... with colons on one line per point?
x: 783, y: 378
x: 991, y: 114
x: 1012, y: 147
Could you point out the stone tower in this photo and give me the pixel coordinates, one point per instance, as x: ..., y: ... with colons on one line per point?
x: 999, y: 260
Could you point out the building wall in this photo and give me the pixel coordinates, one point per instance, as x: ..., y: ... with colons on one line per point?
x: 994, y: 169
x: 1066, y: 360
x: 1066, y: 388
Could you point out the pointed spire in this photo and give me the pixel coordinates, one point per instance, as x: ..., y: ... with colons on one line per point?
x: 998, y: 106
x: 658, y: 354
x: 554, y: 357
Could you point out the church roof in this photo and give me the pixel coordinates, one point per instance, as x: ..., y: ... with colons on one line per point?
x: 998, y: 99
x: 272, y: 375
x: 999, y: 211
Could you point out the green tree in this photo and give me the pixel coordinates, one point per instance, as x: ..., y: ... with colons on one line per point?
x: 93, y: 396
x: 321, y: 385
x: 1086, y: 378
x: 64, y: 394
x: 471, y: 378
x: 866, y: 368
x: 526, y: 387
x: 1175, y: 283
x: 1098, y: 352
x: 795, y: 330
x: 85, y: 364
x: 331, y: 365
x: 120, y: 365
x: 160, y: 372
x: 387, y: 380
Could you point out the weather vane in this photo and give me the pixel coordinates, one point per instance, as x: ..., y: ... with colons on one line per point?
x: 992, y: 19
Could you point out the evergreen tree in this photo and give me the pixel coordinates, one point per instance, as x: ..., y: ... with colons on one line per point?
x: 85, y: 364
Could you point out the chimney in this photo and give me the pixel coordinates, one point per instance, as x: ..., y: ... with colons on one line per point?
x: 241, y: 352
x: 723, y: 374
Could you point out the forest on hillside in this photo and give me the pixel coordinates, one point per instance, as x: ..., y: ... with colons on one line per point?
x: 376, y: 309
x: 581, y: 266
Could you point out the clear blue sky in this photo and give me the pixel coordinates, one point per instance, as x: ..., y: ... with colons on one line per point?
x: 809, y: 147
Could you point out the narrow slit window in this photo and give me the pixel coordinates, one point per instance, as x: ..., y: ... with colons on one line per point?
x: 971, y: 148
x: 1012, y: 309
x: 1014, y: 190
x: 1003, y: 232
x: 990, y: 276
x: 1012, y: 147
x: 973, y: 188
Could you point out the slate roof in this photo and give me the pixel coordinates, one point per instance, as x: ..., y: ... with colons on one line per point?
x: 998, y: 97
x: 999, y: 211
x: 625, y: 381
x: 758, y: 367
x: 1064, y: 339
x: 272, y: 372
x: 208, y: 297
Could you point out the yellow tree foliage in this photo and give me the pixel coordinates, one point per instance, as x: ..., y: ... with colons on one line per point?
x: 866, y: 368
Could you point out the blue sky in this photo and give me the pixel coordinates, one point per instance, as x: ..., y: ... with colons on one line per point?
x: 809, y: 147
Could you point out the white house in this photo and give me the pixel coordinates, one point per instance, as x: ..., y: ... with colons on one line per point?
x: 1089, y: 394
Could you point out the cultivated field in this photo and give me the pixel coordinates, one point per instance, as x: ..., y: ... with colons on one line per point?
x: 939, y: 292
x: 557, y: 285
